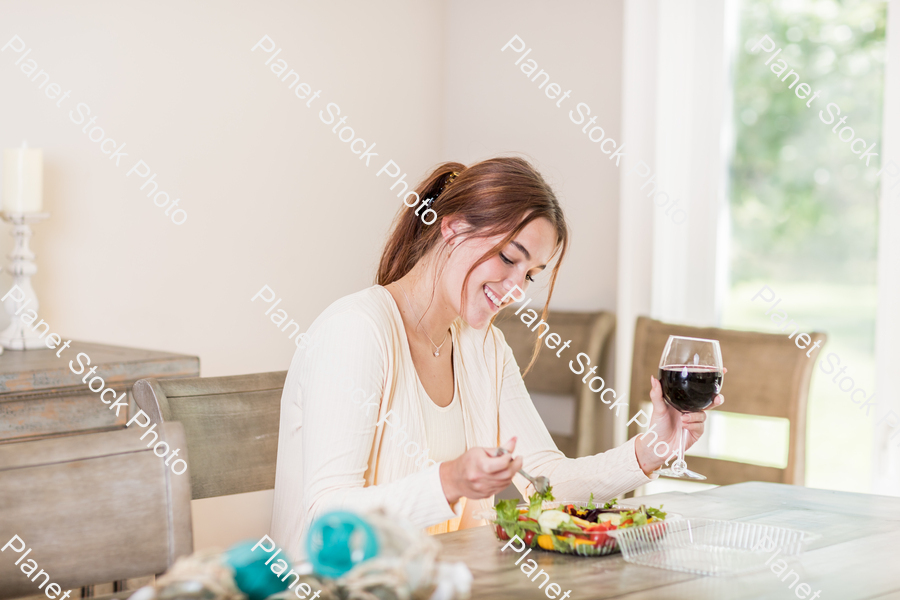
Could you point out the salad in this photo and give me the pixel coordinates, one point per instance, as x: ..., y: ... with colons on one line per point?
x: 569, y: 528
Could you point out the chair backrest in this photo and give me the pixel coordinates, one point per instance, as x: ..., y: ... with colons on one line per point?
x: 231, y: 426
x: 768, y: 375
x: 590, y: 333
x: 93, y: 508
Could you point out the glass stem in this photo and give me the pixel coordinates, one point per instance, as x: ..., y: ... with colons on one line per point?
x: 679, y: 467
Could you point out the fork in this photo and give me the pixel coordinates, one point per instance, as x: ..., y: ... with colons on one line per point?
x: 541, y: 484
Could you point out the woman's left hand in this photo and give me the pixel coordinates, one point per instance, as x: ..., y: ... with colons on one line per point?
x: 666, y: 422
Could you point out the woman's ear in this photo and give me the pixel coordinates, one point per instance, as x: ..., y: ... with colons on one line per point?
x: 450, y: 227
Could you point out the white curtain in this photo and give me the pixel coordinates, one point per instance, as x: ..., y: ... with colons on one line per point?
x: 693, y: 151
x: 635, y: 217
x: 886, y: 453
x: 676, y: 122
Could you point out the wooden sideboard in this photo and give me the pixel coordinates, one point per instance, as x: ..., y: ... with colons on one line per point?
x: 41, y: 397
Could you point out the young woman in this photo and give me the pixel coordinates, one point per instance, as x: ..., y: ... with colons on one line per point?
x: 406, y: 389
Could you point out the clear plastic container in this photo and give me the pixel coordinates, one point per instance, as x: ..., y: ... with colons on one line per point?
x: 708, y: 546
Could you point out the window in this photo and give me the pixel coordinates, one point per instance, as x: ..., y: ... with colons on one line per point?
x: 804, y: 218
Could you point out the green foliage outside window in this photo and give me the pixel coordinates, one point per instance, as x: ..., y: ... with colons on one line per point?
x: 803, y: 206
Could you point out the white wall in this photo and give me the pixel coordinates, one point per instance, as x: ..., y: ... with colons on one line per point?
x: 273, y: 198
x: 492, y: 107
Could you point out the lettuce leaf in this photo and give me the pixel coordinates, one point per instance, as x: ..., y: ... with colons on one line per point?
x: 536, y: 501
x: 656, y: 512
x: 529, y: 526
x: 507, y: 510
x: 569, y: 527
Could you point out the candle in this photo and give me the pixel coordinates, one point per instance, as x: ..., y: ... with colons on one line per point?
x: 23, y: 185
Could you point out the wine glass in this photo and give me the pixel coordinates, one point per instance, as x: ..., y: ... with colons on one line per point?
x: 690, y: 374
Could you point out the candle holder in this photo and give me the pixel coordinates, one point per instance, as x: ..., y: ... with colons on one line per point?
x: 19, y: 336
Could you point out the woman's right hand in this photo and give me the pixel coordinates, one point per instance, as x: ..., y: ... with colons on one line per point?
x: 478, y: 473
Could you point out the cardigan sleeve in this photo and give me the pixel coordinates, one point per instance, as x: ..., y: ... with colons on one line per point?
x: 341, y: 384
x: 606, y: 475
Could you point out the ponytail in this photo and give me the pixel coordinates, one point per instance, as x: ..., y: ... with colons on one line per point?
x: 411, y: 238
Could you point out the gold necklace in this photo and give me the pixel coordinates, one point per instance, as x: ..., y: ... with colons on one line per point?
x: 437, y: 349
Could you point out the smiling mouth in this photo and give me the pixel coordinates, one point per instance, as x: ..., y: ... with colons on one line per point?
x: 492, y: 297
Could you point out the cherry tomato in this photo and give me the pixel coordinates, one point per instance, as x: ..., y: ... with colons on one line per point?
x: 529, y: 535
x: 501, y: 533
x: 599, y: 538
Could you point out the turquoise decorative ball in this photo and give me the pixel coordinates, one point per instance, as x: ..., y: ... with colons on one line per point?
x: 251, y: 574
x: 338, y: 541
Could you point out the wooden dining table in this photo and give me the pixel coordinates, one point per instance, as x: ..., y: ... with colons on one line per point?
x: 855, y: 558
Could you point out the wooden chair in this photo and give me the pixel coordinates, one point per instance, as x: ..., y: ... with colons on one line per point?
x: 94, y: 508
x: 231, y: 426
x: 590, y: 333
x: 768, y: 375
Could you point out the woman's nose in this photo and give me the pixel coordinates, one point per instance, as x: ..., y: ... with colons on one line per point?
x: 510, y: 283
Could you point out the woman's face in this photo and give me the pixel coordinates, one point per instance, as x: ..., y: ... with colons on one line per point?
x: 517, y: 264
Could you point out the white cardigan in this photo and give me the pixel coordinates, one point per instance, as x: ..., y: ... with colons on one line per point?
x: 345, y: 457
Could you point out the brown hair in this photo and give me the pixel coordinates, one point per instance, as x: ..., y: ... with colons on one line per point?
x: 495, y: 196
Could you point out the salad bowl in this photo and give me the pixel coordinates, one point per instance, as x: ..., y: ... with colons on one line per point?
x: 569, y: 527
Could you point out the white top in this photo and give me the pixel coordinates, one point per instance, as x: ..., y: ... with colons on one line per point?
x: 355, y: 387
x: 445, y: 431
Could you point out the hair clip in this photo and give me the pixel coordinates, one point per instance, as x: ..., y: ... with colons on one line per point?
x: 430, y: 200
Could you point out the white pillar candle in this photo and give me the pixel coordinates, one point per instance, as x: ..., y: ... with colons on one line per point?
x: 23, y: 181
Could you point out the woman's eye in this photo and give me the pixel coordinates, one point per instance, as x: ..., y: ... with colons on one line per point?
x: 509, y: 262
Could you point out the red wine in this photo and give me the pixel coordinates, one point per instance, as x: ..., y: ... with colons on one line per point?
x: 690, y: 388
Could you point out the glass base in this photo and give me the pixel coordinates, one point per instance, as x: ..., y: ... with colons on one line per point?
x: 685, y: 474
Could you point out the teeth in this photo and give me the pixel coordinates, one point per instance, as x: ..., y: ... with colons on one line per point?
x: 491, y: 295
